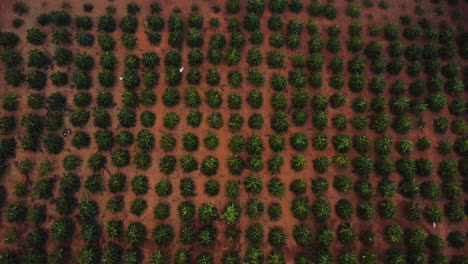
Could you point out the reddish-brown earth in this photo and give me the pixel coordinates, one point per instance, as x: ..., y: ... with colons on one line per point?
x: 287, y: 221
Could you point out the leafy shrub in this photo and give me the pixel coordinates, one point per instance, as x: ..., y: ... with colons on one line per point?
x: 279, y: 122
x: 163, y: 234
x: 255, y: 78
x: 456, y: 239
x: 163, y: 188
x: 346, y: 234
x: 8, y: 39
x: 135, y: 234
x: 33, y: 35
x: 215, y: 120
x: 128, y: 24
x: 209, y: 165
x: 167, y: 164
x: 84, y: 38
x: 256, y: 121
x: 353, y: 10
x: 53, y: 143
x: 62, y: 229
x: 278, y: 101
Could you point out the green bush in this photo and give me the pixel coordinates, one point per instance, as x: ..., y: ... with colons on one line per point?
x: 136, y: 233
x: 256, y: 121
x: 128, y: 24
x: 279, y: 122
x: 278, y: 101
x: 346, y: 234
x: 36, y: 79
x: 213, y: 98
x: 194, y: 118
x: 362, y: 166
x: 107, y: 23
x: 209, y: 166
x: 302, y: 235
x: 82, y: 99
x: 88, y: 210
x: 365, y: 211
x: 114, y: 228
x: 232, y: 57
x: 33, y: 35
x: 215, y: 120
x: 393, y: 234
x: 163, y: 234
x: 84, y: 38
x: 168, y: 142
x: 38, y: 58
x: 456, y: 239
x: 14, y: 77
x: 167, y: 164
x: 454, y: 212
x: 255, y: 78
x: 189, y: 163
x: 406, y: 167
x: 53, y: 143
x: 106, y: 42
x: 8, y: 39
x: 62, y: 229
x: 380, y: 122
x: 108, y: 61
x: 155, y: 23
x: 278, y: 82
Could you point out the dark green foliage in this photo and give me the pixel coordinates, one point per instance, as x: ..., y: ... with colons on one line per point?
x: 276, y: 237
x: 20, y: 8
x: 155, y: 23
x: 128, y: 24
x: 8, y: 39
x: 115, y: 204
x: 94, y: 182
x: 140, y: 185
x: 129, y: 41
x: 167, y: 164
x: 84, y: 38
x: 88, y: 209
x: 161, y: 211
x: 153, y: 37
x: 108, y: 61
x: 107, y: 23
x: 138, y: 206
x: 163, y: 187
x: 321, y: 210
x: 194, y: 118
x: 81, y: 79
x: 90, y: 232
x: 62, y: 229
x: 11, y: 58
x: 10, y: 102
x: 82, y: 99
x: 60, y: 18
x: 454, y: 212
x: 135, y: 234
x: 456, y: 239
x: 34, y: 36
x: 53, y: 143
x: 36, y: 79
x: 142, y: 160
x: 66, y: 204
x: 133, y: 8
x: 14, y: 77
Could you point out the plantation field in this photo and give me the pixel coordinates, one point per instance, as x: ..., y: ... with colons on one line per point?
x: 234, y: 131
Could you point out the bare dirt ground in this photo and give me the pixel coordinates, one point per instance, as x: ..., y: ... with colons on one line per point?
x: 287, y: 221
